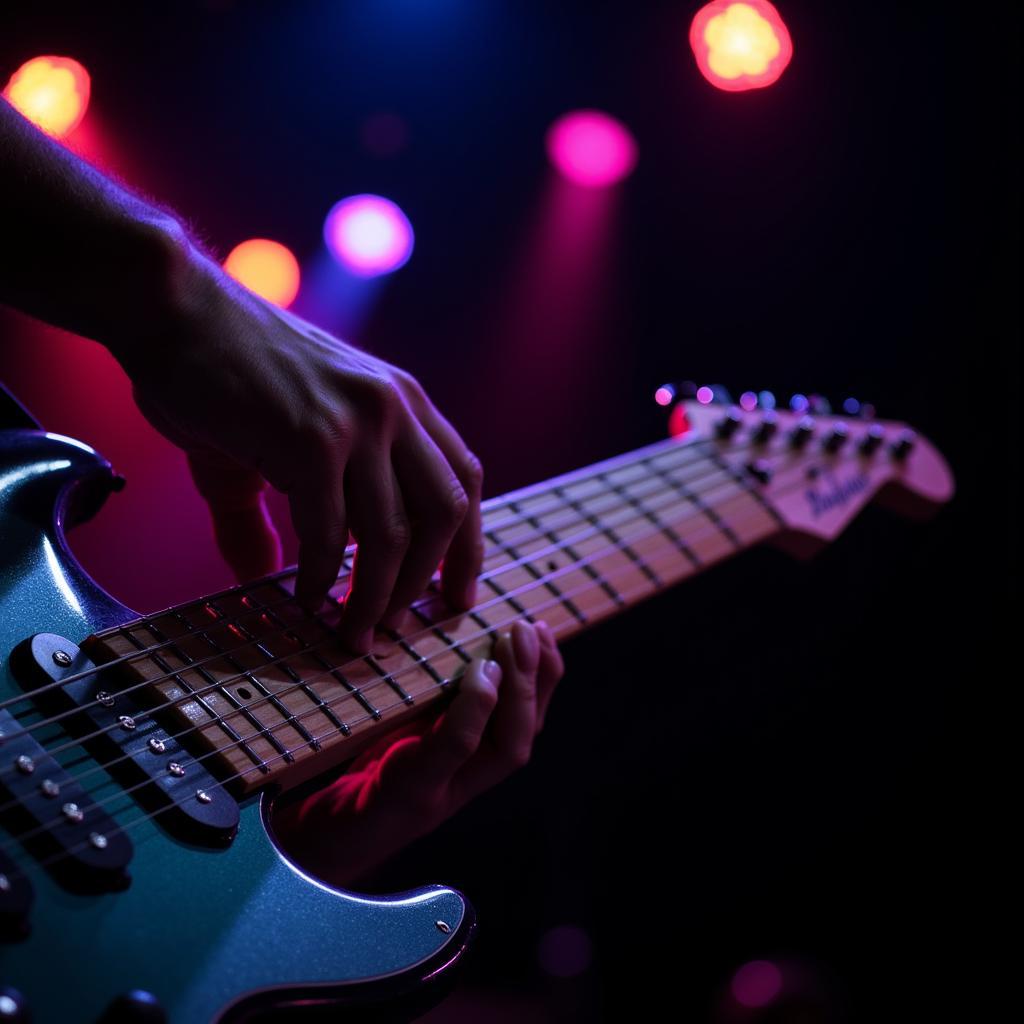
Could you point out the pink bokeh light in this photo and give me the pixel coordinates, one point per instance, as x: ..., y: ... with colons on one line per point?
x: 368, y: 235
x: 757, y: 983
x: 590, y: 148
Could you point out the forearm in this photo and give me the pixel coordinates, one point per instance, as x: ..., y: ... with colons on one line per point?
x: 78, y: 251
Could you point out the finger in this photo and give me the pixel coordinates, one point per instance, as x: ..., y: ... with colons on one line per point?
x: 549, y: 671
x: 316, y: 497
x: 383, y: 534
x: 436, y: 504
x: 466, y: 552
x: 456, y: 737
x: 513, y: 725
x: 243, y: 530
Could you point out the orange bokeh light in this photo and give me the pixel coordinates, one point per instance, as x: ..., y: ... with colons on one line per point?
x: 739, y: 46
x: 267, y: 268
x: 52, y: 92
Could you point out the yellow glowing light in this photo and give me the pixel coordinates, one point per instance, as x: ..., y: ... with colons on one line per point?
x: 266, y: 268
x: 52, y: 92
x: 740, y: 42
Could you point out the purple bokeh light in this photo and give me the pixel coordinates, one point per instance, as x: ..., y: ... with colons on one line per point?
x: 368, y: 235
x: 590, y: 148
x: 757, y: 983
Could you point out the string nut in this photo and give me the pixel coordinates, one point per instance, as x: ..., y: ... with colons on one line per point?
x: 25, y: 764
x: 73, y: 813
x: 49, y: 788
x: 176, y: 769
x: 62, y: 658
x: 760, y: 471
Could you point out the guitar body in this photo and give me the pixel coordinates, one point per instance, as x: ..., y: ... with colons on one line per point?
x: 212, y: 934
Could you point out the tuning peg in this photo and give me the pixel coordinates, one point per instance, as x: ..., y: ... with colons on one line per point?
x: 766, y: 400
x: 872, y: 439
x: 766, y: 429
x: 728, y: 424
x: 851, y: 406
x: 802, y: 432
x: 903, y: 445
x: 837, y: 438
x: 799, y: 403
x: 748, y: 401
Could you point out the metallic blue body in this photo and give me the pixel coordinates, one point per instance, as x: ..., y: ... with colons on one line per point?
x: 198, y: 928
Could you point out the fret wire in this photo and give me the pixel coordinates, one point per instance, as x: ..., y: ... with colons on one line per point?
x: 221, y: 687
x: 610, y: 534
x: 296, y: 678
x: 698, y: 502
x: 440, y: 633
x: 250, y: 675
x: 528, y: 565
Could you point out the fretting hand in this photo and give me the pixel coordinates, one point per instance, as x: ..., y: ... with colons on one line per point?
x: 420, y: 775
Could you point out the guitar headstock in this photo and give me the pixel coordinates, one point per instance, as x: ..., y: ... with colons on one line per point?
x: 817, y: 470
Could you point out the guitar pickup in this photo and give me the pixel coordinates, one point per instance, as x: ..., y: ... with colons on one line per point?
x: 129, y: 741
x: 81, y: 845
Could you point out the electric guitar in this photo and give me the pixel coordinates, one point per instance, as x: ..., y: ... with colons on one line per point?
x: 141, y: 756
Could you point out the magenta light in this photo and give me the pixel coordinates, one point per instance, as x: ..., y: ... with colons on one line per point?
x: 705, y: 395
x: 757, y: 983
x: 368, y: 235
x: 748, y: 401
x: 665, y: 394
x: 591, y: 149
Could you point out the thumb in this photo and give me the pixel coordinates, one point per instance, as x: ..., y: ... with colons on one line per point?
x: 243, y: 530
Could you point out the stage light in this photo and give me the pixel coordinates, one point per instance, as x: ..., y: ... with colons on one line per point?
x: 591, y: 149
x: 705, y: 395
x: 52, y: 92
x: 665, y: 394
x: 756, y: 984
x: 748, y: 401
x: 740, y: 46
x: 368, y: 235
x: 267, y: 268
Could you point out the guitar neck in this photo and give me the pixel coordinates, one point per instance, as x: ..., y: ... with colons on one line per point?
x: 268, y: 695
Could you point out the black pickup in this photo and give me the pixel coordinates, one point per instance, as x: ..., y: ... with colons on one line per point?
x: 128, y: 740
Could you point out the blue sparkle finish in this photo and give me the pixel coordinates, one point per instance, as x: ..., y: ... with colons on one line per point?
x: 211, y: 933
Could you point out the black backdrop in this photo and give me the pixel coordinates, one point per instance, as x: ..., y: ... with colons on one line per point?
x: 812, y: 783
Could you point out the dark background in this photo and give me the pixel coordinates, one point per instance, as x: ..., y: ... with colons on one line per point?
x: 814, y: 784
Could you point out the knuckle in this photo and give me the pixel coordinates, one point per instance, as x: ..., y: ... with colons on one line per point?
x: 464, y: 743
x: 381, y: 395
x: 395, y: 534
x: 471, y: 473
x: 455, y: 505
x: 408, y: 383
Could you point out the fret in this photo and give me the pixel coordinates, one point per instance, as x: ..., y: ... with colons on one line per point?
x: 522, y: 574
x: 171, y: 686
x: 621, y: 485
x: 272, y: 619
x: 498, y: 589
x: 273, y: 700
x: 416, y: 656
x: 206, y: 673
x: 438, y: 634
x: 576, y: 501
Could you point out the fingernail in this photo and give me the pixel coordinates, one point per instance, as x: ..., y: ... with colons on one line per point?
x: 525, y: 646
x: 493, y: 671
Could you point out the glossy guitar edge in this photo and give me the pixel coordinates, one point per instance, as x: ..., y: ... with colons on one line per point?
x: 213, y: 934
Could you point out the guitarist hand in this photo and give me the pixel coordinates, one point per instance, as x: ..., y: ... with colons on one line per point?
x: 422, y: 774
x: 252, y: 393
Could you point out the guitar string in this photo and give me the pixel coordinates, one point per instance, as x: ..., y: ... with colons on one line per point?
x: 291, y: 571
x: 226, y: 620
x: 185, y: 763
x: 348, y: 695
x: 574, y: 517
x: 121, y: 829
x: 356, y: 692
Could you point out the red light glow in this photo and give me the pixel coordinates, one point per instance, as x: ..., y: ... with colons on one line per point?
x: 740, y: 46
x: 267, y: 268
x: 756, y: 984
x: 52, y: 92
